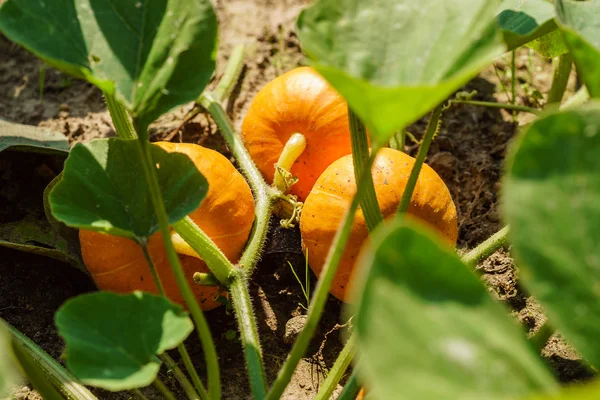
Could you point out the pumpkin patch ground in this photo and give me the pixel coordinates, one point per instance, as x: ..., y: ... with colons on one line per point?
x: 467, y: 155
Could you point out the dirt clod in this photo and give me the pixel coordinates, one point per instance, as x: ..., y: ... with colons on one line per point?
x: 293, y: 328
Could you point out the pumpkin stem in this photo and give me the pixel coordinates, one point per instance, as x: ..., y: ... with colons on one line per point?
x: 294, y: 147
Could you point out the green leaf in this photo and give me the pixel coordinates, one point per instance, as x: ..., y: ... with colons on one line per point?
x: 586, y: 391
x: 31, y: 138
x: 113, y: 340
x: 9, y: 375
x: 428, y: 328
x: 103, y: 188
x: 394, y: 60
x: 550, y: 45
x: 35, y: 235
x: 581, y: 28
x: 156, y: 54
x: 551, y: 194
x: 522, y: 21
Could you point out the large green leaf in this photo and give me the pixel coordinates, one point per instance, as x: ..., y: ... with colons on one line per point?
x: 113, y: 340
x: 35, y: 235
x: 103, y: 188
x: 525, y: 20
x: 427, y: 327
x: 551, y: 194
x: 394, y: 60
x: 580, y: 23
x: 156, y: 54
x: 31, y: 138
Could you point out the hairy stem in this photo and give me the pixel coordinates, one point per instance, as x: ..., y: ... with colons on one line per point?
x: 163, y: 389
x: 249, y: 334
x: 491, y: 104
x: 432, y: 128
x: 486, y: 248
x: 207, y: 249
x: 351, y: 388
x: 185, y: 384
x: 120, y: 117
x: 263, y: 194
x: 360, y: 157
x: 233, y: 69
x: 234, y: 279
x: 264, y: 198
x: 202, y: 327
x: 561, y: 69
x: 65, y: 382
x: 338, y: 370
x: 321, y: 292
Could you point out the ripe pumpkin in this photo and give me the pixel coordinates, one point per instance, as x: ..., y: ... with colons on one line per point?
x: 300, y: 101
x: 326, y: 204
x: 226, y: 215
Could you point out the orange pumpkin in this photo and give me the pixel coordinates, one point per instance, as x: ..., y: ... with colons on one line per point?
x: 300, y: 101
x: 325, y: 206
x: 226, y: 215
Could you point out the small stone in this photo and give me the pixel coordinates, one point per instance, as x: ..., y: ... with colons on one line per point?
x: 63, y: 107
x: 293, y: 328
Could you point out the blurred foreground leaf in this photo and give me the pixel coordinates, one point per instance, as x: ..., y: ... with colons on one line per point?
x: 428, y: 328
x: 551, y: 194
x: 580, y: 23
x: 394, y: 60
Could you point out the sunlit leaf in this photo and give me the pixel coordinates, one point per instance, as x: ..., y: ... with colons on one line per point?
x: 522, y: 21
x: 394, y: 60
x: 104, y: 189
x: 551, y: 194
x: 156, y: 54
x: 113, y: 340
x: 550, y: 45
x: 428, y: 328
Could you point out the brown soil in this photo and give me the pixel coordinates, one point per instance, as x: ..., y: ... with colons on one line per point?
x: 468, y: 155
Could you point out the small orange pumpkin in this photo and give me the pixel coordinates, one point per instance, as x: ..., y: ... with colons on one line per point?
x: 226, y: 215
x: 326, y: 204
x: 300, y: 101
